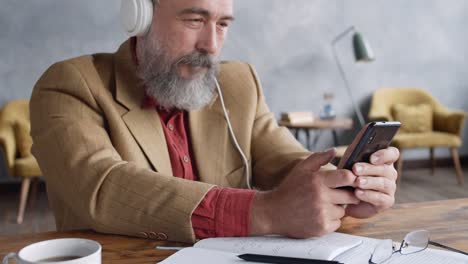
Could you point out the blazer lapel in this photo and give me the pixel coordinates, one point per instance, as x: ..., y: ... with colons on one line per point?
x: 209, y: 136
x: 144, y: 124
x: 215, y: 153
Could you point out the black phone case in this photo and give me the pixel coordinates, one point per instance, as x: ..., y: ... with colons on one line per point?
x: 375, y: 136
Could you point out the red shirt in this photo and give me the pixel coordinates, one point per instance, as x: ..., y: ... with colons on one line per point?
x: 224, y: 212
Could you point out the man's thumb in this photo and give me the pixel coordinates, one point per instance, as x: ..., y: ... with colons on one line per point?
x: 315, y: 161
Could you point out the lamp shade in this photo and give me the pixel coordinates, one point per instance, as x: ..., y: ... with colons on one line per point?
x: 362, y: 49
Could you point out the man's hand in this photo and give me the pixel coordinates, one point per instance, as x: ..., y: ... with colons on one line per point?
x: 375, y: 184
x: 306, y: 203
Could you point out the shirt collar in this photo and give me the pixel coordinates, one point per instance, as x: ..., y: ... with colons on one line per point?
x: 151, y: 102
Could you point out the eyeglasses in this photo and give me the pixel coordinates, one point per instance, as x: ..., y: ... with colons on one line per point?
x: 414, y: 242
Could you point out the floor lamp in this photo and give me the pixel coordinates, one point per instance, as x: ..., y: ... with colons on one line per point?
x: 362, y: 53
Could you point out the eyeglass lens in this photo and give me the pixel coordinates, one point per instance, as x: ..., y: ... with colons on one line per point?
x: 383, y: 251
x: 414, y: 242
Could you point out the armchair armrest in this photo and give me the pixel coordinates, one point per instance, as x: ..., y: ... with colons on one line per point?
x: 7, y: 143
x: 379, y: 112
x: 449, y: 121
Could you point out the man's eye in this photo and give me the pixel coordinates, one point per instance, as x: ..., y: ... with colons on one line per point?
x: 223, y: 25
x: 194, y: 21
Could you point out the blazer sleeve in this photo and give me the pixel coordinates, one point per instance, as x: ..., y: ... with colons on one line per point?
x: 85, y: 172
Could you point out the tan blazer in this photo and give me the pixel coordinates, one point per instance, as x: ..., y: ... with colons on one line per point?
x: 105, y: 158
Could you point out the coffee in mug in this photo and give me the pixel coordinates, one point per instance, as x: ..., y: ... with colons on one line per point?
x: 58, y: 259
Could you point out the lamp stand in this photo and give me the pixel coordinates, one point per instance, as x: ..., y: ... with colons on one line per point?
x: 343, y: 75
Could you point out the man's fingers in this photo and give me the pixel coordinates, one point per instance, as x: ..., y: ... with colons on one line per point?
x: 333, y: 226
x: 338, y: 178
x: 338, y: 197
x: 380, y: 184
x: 385, y: 170
x: 315, y: 161
x: 337, y: 212
x: 385, y: 156
x: 379, y: 200
x: 362, y: 210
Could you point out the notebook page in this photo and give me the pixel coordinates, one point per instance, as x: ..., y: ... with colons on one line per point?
x: 427, y: 257
x: 205, y: 256
x: 326, y: 247
x: 359, y: 254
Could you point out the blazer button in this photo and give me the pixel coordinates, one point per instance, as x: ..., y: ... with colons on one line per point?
x: 143, y: 235
x: 162, y: 236
x: 153, y: 235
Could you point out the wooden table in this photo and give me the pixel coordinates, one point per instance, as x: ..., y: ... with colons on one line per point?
x: 446, y: 220
x: 318, y: 124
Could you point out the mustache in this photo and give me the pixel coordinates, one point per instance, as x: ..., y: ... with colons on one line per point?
x: 197, y: 59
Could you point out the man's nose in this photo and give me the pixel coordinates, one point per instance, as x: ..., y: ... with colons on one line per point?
x: 208, y: 41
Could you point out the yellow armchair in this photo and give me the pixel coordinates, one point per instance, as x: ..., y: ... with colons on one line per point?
x: 446, y: 131
x: 16, y: 143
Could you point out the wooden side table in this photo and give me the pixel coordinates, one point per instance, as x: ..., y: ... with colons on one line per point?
x: 318, y: 124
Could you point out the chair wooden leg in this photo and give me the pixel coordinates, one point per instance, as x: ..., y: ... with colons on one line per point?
x: 33, y: 195
x: 432, y: 161
x: 456, y: 161
x: 23, y: 199
x: 399, y: 169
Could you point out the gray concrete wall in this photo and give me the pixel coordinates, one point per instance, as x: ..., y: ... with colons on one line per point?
x: 418, y: 43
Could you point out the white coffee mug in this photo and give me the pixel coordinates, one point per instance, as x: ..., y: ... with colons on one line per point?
x: 59, y: 251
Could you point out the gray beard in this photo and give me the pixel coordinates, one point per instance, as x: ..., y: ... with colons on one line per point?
x: 162, y: 81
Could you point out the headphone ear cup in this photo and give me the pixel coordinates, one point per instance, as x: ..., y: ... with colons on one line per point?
x: 136, y: 16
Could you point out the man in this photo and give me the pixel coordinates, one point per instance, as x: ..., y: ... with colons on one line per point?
x: 136, y: 143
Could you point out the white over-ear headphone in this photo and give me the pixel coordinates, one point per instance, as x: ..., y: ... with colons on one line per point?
x: 136, y: 16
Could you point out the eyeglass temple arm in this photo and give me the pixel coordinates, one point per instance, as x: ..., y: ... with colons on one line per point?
x: 447, y: 247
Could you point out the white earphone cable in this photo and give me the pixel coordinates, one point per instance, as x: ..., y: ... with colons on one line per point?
x: 233, y: 136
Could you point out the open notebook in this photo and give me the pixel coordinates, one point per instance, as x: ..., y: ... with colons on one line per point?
x: 225, y: 250
x: 348, y: 249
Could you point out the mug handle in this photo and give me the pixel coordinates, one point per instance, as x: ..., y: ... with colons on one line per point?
x: 10, y: 256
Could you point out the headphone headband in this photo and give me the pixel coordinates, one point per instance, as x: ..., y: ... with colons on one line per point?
x: 136, y: 16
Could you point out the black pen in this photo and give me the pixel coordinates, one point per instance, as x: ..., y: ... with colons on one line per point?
x: 284, y: 260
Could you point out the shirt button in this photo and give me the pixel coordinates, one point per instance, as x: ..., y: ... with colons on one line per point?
x: 186, y: 159
x: 171, y: 127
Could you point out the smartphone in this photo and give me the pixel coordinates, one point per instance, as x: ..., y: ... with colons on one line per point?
x: 372, y: 137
